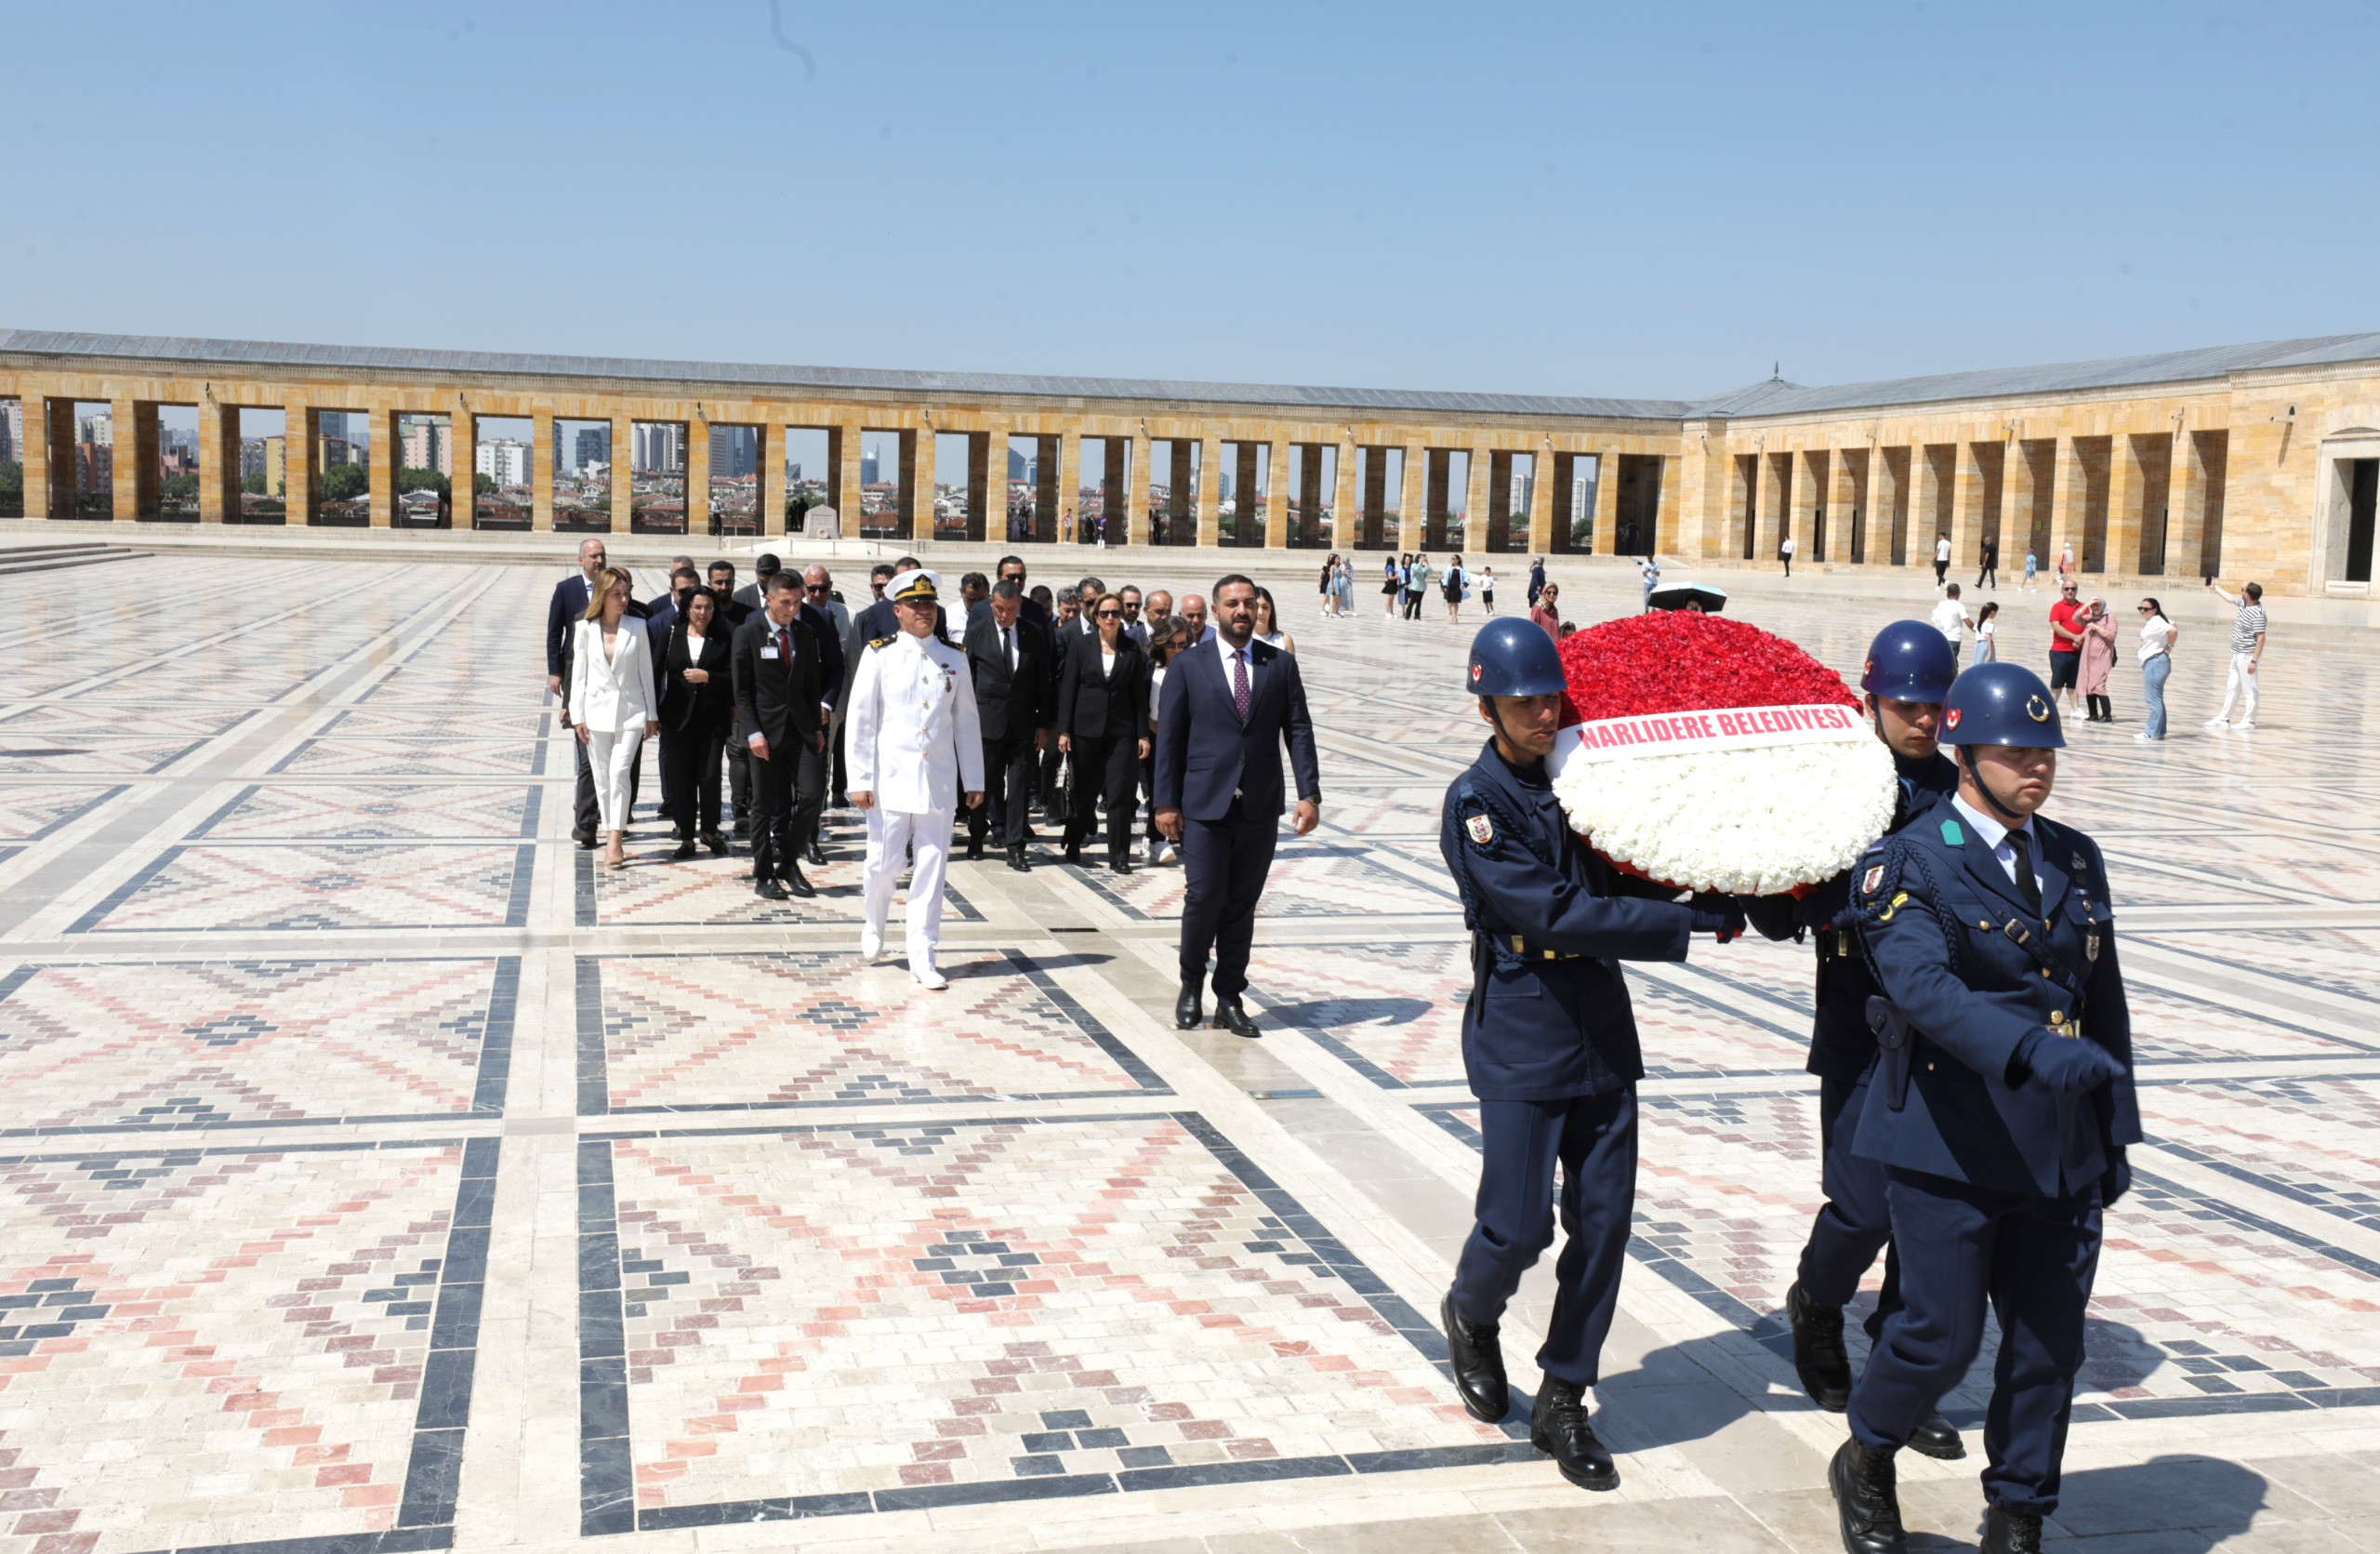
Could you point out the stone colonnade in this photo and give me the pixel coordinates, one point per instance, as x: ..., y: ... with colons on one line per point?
x: 1364, y: 513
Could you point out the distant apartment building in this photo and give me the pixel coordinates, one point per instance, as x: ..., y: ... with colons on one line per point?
x: 332, y: 452
x: 97, y: 430
x: 12, y: 431
x: 94, y: 466
x: 735, y: 452
x: 504, y: 461
x: 426, y: 445
x: 251, y: 456
x: 593, y: 445
x: 660, y: 447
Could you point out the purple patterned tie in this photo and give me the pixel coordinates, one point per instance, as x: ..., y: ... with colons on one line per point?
x: 1239, y: 681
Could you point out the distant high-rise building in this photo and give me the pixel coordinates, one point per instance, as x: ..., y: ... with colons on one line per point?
x: 504, y: 461
x: 868, y: 467
x: 593, y: 447
x: 428, y: 444
x: 98, y: 429
x: 735, y: 452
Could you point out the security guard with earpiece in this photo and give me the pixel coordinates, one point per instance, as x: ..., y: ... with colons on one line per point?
x: 1907, y: 672
x: 2000, y: 1107
x: 1549, y: 1046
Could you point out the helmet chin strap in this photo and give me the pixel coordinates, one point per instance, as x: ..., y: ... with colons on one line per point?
x: 1966, y: 760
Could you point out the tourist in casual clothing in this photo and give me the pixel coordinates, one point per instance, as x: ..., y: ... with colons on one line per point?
x: 2247, y: 649
x: 1488, y: 589
x: 1649, y: 571
x: 1950, y: 618
x: 2065, y: 644
x: 613, y: 704
x: 1329, y: 587
x: 1455, y: 584
x: 1392, y: 584
x: 1347, y: 587
x: 2157, y: 638
x: 2032, y: 567
x: 1547, y: 611
x: 1987, y: 635
x: 1268, y: 623
x: 1989, y: 569
x: 2098, y: 662
x: 1941, y: 558
x: 2066, y: 561
x: 1417, y: 583
x: 1785, y: 552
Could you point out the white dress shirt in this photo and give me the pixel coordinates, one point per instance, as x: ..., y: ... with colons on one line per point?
x: 1995, y: 836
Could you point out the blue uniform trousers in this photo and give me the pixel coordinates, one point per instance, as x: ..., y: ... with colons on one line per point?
x: 2033, y: 1258
x: 1854, y: 1224
x: 1593, y: 1138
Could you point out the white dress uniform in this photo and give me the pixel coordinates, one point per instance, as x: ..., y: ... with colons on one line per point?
x: 916, y: 744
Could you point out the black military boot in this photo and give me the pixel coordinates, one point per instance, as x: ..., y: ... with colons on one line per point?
x: 1477, y: 1356
x: 1867, y: 1500
x: 2007, y: 1531
x: 1558, y: 1427
x: 1938, y: 1437
x: 1818, y: 1356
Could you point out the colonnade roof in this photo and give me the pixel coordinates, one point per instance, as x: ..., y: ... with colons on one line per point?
x: 1773, y: 397
x: 375, y: 359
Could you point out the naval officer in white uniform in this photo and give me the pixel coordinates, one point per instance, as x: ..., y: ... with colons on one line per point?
x: 914, y: 747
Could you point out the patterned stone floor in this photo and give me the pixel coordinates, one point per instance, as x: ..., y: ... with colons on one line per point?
x: 377, y: 1176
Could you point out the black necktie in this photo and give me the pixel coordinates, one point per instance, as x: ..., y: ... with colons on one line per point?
x: 1007, y: 648
x: 2023, y: 844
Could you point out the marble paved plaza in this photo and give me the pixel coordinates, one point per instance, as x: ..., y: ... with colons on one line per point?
x: 379, y: 1175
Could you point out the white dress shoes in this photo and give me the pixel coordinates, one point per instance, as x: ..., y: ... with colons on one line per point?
x: 871, y: 946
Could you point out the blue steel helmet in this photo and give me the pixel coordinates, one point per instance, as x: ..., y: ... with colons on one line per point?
x: 1909, y: 660
x: 1512, y: 656
x: 2002, y: 704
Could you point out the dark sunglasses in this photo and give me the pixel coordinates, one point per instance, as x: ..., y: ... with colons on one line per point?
x: 1109, y: 615
x: 813, y: 588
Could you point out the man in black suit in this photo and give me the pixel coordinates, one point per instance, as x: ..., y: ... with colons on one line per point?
x: 568, y: 607
x: 782, y: 706
x: 732, y: 613
x: 1008, y: 660
x: 658, y: 618
x: 1225, y: 711
x: 754, y: 594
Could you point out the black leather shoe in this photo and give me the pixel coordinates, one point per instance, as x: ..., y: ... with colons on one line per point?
x: 1017, y: 860
x: 1818, y: 1357
x: 768, y: 890
x: 974, y: 849
x: 1187, y: 1010
x: 795, y: 884
x: 717, y: 845
x: 815, y: 857
x: 1074, y: 853
x: 583, y: 835
x: 1477, y: 1356
x: 1558, y: 1428
x: 1231, y: 1017
x: 2007, y: 1531
x: 1938, y: 1437
x: 1119, y: 863
x: 1867, y: 1500
x: 685, y: 848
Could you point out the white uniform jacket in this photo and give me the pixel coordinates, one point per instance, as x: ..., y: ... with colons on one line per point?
x: 912, y: 735
x: 614, y: 695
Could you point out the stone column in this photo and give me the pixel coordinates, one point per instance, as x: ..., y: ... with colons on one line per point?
x: 1206, y: 495
x: 1967, y: 507
x: 219, y: 462
x: 1276, y: 499
x: 768, y: 514
x: 697, y: 476
x: 300, y: 428
x: 541, y: 471
x: 123, y: 464
x: 843, y: 489
x: 1841, y: 500
x: 622, y: 472
x: 1808, y: 496
x: 384, y: 453
x: 1346, y: 506
x: 1413, y: 516
x: 1769, y: 514
x: 2126, y: 481
x: 1540, y: 501
x: 1606, y: 535
x: 2017, y: 509
x: 1672, y: 502
x: 1136, y: 487
x: 1069, y: 450
x: 2185, y: 498
x: 1474, y: 502
x: 921, y: 476
x: 462, y: 460
x: 2070, y: 494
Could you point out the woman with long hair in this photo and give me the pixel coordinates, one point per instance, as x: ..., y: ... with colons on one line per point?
x: 614, y: 704
x: 2157, y: 638
x: 1330, y: 586
x: 1268, y: 623
x: 1392, y: 582
x: 1103, y: 721
x: 697, y: 706
x: 1453, y: 588
x: 1987, y: 635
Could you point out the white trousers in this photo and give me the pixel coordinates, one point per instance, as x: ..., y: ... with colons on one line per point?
x: 2238, y: 685
x: 890, y: 837
x: 611, y: 757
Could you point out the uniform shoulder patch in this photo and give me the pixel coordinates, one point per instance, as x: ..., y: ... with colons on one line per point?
x: 1952, y: 834
x: 1870, y: 881
x: 881, y: 641
x: 1480, y: 829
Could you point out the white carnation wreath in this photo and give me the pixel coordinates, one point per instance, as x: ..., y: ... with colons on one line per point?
x: 1750, y: 822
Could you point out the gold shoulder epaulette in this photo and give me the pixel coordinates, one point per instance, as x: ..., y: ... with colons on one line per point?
x: 881, y: 641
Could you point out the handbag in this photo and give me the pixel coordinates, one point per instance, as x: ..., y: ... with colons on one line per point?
x: 1059, y: 806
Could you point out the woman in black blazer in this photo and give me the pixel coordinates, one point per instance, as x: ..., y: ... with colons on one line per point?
x: 1103, y: 722
x: 697, y: 705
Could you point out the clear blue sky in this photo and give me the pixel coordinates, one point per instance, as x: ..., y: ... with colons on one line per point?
x: 1573, y: 198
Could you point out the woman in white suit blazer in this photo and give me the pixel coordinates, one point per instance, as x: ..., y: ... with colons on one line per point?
x: 615, y: 704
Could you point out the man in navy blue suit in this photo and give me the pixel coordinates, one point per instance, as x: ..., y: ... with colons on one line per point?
x: 569, y: 606
x: 1226, y: 710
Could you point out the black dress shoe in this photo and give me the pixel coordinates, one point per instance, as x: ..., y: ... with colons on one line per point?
x: 1187, y: 1010
x: 1818, y: 1356
x: 1867, y: 1500
x: 1119, y: 863
x: 796, y: 885
x: 583, y: 835
x: 685, y: 848
x: 1074, y: 853
x: 717, y: 845
x: 974, y: 849
x: 1016, y: 860
x: 1476, y: 1355
x: 767, y: 889
x: 1231, y: 1017
x: 1558, y: 1427
x: 1938, y: 1437
x: 2007, y: 1531
x: 814, y: 855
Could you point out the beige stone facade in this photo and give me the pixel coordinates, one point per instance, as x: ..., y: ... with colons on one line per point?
x: 2242, y: 462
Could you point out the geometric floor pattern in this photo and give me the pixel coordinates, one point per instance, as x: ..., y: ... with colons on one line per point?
x: 378, y: 1174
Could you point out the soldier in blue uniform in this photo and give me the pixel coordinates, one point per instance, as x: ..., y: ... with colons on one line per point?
x: 2000, y: 1106
x: 1908, y: 672
x: 1549, y: 1046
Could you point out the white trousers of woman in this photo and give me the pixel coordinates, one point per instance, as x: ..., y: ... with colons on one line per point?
x: 892, y: 838
x: 612, y: 757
